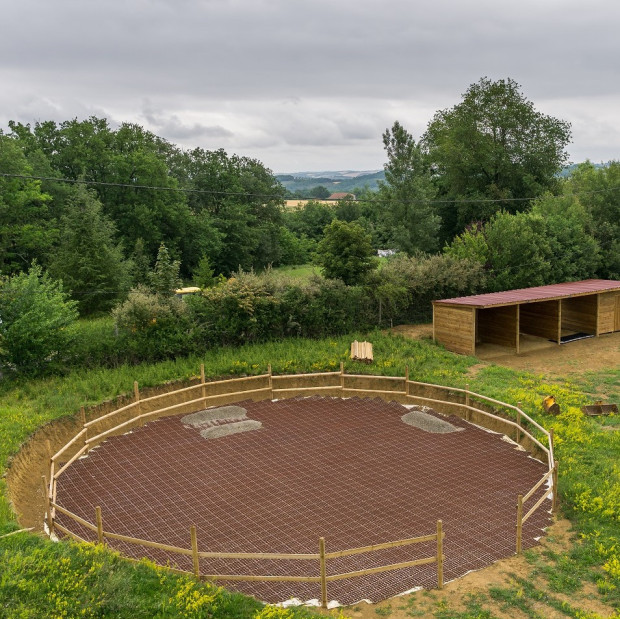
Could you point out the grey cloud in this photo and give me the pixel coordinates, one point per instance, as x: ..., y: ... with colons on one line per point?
x: 303, y: 76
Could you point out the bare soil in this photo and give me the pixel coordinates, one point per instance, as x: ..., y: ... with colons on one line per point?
x: 541, y: 356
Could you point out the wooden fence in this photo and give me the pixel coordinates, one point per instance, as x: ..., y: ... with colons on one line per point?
x: 463, y: 402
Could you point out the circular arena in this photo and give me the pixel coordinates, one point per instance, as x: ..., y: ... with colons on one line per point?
x: 324, y: 487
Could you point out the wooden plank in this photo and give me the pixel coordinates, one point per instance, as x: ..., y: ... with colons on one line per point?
x: 538, y: 485
x: 607, y: 312
x: 454, y: 327
x: 73, y: 516
x: 381, y: 569
x: 109, y: 415
x: 579, y: 314
x: 377, y: 547
x: 68, y: 445
x: 540, y: 319
x: 261, y: 578
x: 75, y: 457
x: 64, y: 530
x: 498, y: 326
x: 226, y: 555
x: 147, y: 543
x: 533, y: 509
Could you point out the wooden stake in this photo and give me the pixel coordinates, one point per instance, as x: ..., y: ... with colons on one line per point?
x: 99, y: 521
x: 195, y: 551
x: 467, y: 412
x: 48, y: 508
x: 551, y: 440
x: 554, y: 503
x: 519, y: 522
x: 203, y: 389
x: 519, y: 421
x: 270, y: 381
x: 407, y: 379
x: 323, y: 573
x: 440, y: 554
x: 342, y: 377
x: 136, y: 397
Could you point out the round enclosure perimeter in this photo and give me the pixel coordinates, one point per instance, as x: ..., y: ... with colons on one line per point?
x: 347, y: 469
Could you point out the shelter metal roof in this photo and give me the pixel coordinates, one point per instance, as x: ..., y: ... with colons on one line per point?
x: 536, y: 293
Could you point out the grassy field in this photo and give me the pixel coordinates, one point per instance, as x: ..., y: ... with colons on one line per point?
x: 42, y: 579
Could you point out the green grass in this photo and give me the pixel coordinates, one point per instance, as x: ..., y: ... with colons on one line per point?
x: 303, y: 273
x: 86, y: 581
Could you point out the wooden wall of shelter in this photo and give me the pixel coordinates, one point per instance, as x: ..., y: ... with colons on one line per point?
x: 551, y: 312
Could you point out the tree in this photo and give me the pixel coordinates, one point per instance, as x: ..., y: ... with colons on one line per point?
x: 165, y: 278
x: 88, y: 259
x: 403, y: 200
x: 494, y: 145
x: 34, y: 315
x: 598, y: 191
x: 345, y: 252
x: 27, y: 227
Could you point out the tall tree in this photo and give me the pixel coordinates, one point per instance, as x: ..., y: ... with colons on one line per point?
x: 494, y: 145
x: 598, y: 192
x: 404, y: 199
x: 27, y: 226
x: 345, y: 252
x: 88, y: 259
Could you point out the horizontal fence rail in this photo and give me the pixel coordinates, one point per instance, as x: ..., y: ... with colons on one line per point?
x: 266, y: 386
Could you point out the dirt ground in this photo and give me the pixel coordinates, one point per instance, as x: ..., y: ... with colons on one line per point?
x: 541, y: 356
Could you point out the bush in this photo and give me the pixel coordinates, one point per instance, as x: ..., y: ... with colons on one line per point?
x: 35, y: 313
x: 153, y: 326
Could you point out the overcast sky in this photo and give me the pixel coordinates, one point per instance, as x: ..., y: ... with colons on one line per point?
x: 307, y: 84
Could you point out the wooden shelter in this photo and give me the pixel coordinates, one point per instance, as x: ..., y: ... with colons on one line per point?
x: 557, y: 312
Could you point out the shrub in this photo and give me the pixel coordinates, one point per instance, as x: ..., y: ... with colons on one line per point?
x: 153, y: 326
x: 34, y: 315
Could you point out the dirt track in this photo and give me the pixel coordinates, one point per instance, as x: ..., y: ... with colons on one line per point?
x: 542, y: 357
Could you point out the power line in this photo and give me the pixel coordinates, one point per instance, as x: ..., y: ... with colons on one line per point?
x: 225, y: 193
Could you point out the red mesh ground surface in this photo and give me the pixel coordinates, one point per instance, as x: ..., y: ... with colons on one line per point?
x: 349, y: 470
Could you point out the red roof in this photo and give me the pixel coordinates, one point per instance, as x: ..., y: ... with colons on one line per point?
x: 536, y: 293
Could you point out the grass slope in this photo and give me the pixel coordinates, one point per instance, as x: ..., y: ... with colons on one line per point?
x: 42, y: 579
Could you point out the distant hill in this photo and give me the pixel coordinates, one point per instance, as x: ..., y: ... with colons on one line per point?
x: 334, y: 181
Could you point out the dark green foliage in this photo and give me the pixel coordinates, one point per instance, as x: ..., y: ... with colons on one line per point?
x: 27, y: 225
x: 88, y: 260
x: 345, y: 252
x: 409, y: 218
x: 406, y: 287
x: 35, y: 313
x: 310, y: 220
x: 493, y: 145
x: 165, y: 278
x: 598, y: 189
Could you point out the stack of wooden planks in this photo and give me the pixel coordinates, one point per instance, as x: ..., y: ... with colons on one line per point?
x: 361, y: 351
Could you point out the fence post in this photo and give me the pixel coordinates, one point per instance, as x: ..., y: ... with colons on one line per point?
x: 407, y: 379
x: 551, y: 441
x: 203, y: 389
x: 270, y: 381
x: 195, y: 551
x: 136, y: 397
x: 519, y: 522
x: 99, y: 524
x: 467, y: 412
x: 48, y: 508
x: 323, y: 573
x: 519, y: 421
x: 342, y: 377
x: 554, y: 503
x: 440, y: 554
